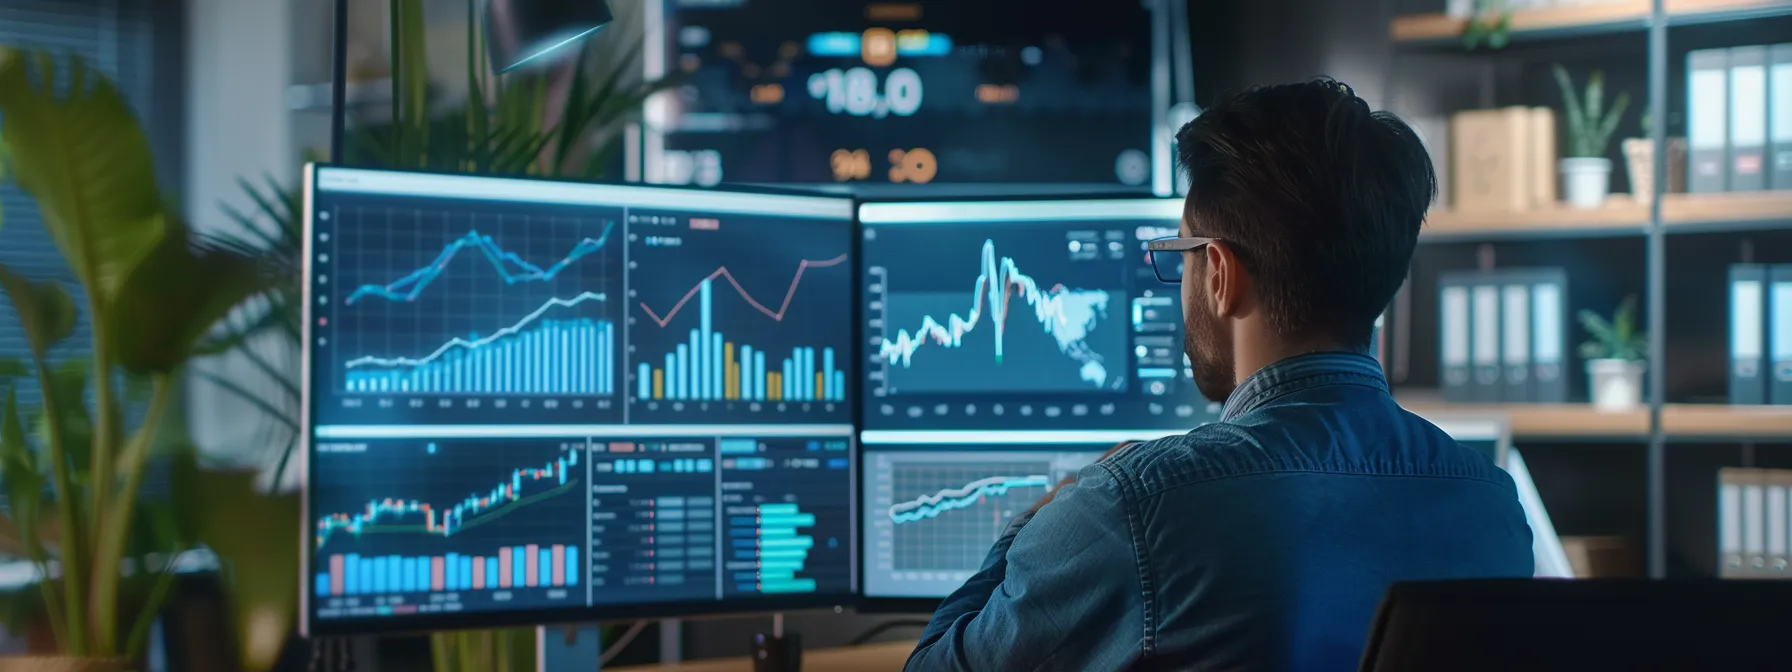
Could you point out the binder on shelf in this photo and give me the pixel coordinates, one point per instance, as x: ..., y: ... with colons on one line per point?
x: 1549, y: 342
x: 1729, y: 522
x: 1748, y: 118
x: 1707, y: 119
x: 1453, y: 334
x: 1484, y: 339
x: 1515, y: 341
x: 1779, y: 332
x: 1779, y: 119
x: 1776, y: 482
x: 1754, y: 525
x: 1748, y: 334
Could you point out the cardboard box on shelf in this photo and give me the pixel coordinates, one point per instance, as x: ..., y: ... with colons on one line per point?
x: 1490, y: 159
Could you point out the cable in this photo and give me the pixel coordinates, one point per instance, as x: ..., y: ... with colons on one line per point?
x: 623, y: 641
x: 884, y: 627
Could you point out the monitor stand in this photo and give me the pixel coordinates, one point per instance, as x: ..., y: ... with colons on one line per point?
x: 569, y: 648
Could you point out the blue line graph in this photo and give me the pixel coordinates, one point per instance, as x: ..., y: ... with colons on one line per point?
x: 929, y: 506
x: 410, y: 286
x: 1069, y: 316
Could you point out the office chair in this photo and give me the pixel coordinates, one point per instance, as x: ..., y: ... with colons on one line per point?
x: 1593, y: 624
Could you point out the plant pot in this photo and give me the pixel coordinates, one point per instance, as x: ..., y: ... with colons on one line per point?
x: 1588, y: 181
x: 1639, y: 162
x: 63, y: 664
x: 1616, y: 384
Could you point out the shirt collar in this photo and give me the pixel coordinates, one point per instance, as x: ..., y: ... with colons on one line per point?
x: 1302, y: 372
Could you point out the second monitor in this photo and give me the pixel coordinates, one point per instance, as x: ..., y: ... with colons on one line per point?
x: 1039, y: 315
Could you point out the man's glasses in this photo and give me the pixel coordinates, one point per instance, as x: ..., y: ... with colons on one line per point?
x: 1167, y: 255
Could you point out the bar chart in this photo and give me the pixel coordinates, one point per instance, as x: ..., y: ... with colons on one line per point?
x: 752, y: 339
x: 792, y: 533
x: 408, y: 526
x: 558, y: 357
x: 711, y: 367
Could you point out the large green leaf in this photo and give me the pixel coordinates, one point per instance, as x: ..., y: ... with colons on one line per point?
x: 174, y: 298
x: 260, y: 566
x: 45, y: 310
x: 85, y: 160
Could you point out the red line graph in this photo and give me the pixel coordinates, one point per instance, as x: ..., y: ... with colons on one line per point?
x: 777, y: 315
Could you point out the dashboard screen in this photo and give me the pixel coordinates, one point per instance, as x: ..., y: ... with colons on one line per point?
x: 916, y: 92
x: 536, y: 400
x: 933, y: 510
x: 1022, y: 315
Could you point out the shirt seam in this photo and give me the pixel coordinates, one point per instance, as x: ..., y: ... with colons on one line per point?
x: 1149, y: 605
x: 1305, y: 384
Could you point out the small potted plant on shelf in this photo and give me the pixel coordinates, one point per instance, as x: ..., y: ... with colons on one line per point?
x: 1586, y: 172
x: 1614, y: 357
x: 1639, y: 156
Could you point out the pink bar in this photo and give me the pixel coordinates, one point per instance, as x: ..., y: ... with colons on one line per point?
x: 532, y: 564
x: 559, y: 565
x: 479, y: 572
x: 435, y: 573
x: 336, y: 574
x: 504, y: 567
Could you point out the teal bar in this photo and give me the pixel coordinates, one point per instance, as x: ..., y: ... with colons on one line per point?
x: 776, y: 509
x: 776, y: 532
x: 798, y: 542
x: 770, y: 554
x: 785, y: 520
x: 791, y: 586
x: 773, y: 575
x: 790, y: 565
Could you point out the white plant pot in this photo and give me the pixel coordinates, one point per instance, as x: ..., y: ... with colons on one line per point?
x: 1616, y: 384
x: 1587, y: 180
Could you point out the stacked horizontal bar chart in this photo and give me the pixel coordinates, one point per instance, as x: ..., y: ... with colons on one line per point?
x: 767, y: 551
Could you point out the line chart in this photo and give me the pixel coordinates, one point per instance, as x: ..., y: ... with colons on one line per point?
x: 970, y: 494
x: 410, y: 286
x: 723, y: 272
x: 973, y: 344
x: 477, y: 341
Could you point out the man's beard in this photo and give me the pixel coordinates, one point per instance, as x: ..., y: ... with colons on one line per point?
x: 1209, y: 349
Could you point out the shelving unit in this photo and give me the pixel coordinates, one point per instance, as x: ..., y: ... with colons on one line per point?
x: 1758, y: 221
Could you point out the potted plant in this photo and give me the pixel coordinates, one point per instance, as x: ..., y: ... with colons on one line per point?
x: 152, y: 293
x: 1614, y: 355
x: 1639, y: 157
x: 1586, y: 172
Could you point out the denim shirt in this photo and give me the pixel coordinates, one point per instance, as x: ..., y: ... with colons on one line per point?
x: 1263, y: 541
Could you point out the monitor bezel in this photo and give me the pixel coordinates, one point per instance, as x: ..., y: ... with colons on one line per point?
x: 310, y: 625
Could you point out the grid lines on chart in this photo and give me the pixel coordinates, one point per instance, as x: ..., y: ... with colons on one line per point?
x: 958, y: 537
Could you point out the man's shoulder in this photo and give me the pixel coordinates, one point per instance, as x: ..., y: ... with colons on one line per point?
x: 1213, y: 450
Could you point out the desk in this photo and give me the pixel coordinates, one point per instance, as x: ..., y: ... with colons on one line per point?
x: 869, y: 658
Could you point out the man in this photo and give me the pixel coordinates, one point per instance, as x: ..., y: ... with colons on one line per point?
x: 1265, y: 540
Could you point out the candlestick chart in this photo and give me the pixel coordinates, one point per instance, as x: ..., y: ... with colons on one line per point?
x: 404, y: 523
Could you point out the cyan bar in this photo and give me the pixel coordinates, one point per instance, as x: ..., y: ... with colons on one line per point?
x: 782, y: 564
x: 491, y: 572
x: 839, y: 386
x: 776, y: 532
x: 776, y: 509
x: 799, y: 542
x: 706, y: 370
x: 377, y: 577
x: 466, y: 572
x: 785, y: 520
x: 693, y: 383
x: 572, y: 566
x: 746, y: 372
x: 519, y: 566
x: 675, y: 387
x: 451, y: 572
x: 769, y: 574
x: 788, y: 379
x: 791, y: 586
x: 827, y: 373
x: 738, y: 446
x: 320, y: 585
x: 779, y: 554
x: 667, y: 377
x: 351, y: 574
x: 759, y: 376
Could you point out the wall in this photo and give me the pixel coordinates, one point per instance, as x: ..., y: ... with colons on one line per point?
x: 238, y: 64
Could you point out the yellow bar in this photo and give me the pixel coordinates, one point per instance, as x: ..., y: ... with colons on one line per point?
x: 728, y: 386
x: 774, y: 388
x: 734, y: 391
x: 659, y: 383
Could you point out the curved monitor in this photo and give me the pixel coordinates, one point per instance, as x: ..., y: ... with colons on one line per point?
x: 531, y: 401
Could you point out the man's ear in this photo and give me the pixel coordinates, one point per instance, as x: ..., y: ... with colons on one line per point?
x: 1226, y: 280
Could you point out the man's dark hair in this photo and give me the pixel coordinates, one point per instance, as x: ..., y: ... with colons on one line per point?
x: 1320, y: 198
